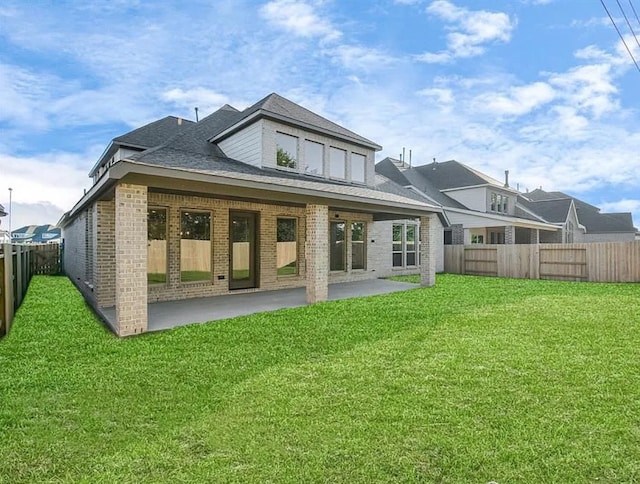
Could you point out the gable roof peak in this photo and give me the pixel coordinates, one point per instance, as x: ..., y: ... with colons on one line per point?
x: 281, y: 109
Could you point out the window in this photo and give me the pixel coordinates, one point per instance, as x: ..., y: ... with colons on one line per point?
x: 157, y: 245
x: 337, y: 163
x: 287, y: 246
x: 496, y: 237
x: 404, y: 245
x: 499, y: 203
x: 195, y: 246
x: 313, y: 158
x: 357, y: 167
x: 410, y: 246
x: 477, y: 239
x: 287, y: 151
x: 337, y: 247
x: 358, y: 253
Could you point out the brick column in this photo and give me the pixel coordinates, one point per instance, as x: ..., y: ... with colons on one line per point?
x: 457, y: 234
x: 428, y: 243
x: 317, y: 253
x: 131, y: 258
x: 534, y: 236
x: 509, y: 234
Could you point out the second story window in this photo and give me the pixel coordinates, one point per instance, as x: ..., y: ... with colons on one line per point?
x: 337, y: 163
x: 499, y: 203
x: 357, y: 167
x: 313, y: 158
x: 286, y: 151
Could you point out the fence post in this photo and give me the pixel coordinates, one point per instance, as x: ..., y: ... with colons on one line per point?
x: 8, y: 286
x: 18, y: 270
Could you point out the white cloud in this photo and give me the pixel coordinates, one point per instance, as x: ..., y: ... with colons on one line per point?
x: 519, y: 100
x: 624, y: 205
x: 41, y: 213
x: 359, y: 58
x: 588, y: 88
x: 299, y: 18
x: 470, y: 31
x: 56, y: 178
x: 206, y: 100
x: 442, y: 96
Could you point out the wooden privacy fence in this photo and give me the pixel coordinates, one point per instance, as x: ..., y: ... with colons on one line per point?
x: 596, y: 262
x: 17, y: 264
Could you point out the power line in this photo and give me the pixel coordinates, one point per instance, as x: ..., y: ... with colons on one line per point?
x: 628, y: 23
x: 634, y: 12
x: 620, y: 34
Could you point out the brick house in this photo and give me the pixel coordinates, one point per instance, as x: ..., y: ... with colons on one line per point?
x: 271, y: 197
x: 477, y: 209
x: 579, y: 221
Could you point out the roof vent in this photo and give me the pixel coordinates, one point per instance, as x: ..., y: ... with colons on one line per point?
x: 179, y: 121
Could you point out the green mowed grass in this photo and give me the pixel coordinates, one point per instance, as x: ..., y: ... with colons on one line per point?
x: 474, y: 380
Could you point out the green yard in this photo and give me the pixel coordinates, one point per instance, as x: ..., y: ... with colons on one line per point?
x: 475, y: 380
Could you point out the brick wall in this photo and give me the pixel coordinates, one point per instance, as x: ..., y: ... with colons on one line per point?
x: 76, y: 256
x: 219, y: 210
x: 105, y: 258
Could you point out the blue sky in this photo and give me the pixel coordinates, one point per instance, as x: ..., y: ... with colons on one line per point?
x: 543, y: 88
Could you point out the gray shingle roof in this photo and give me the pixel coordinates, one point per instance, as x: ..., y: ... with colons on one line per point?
x: 280, y: 107
x: 553, y: 211
x: 418, y: 179
x: 452, y: 174
x: 191, y: 151
x: 588, y: 215
x: 155, y: 133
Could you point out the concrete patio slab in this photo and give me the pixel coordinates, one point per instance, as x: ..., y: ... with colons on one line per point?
x: 170, y: 314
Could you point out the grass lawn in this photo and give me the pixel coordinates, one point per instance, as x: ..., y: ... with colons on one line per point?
x: 474, y: 380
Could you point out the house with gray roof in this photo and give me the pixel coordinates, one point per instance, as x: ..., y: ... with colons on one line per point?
x: 579, y: 221
x: 270, y: 197
x: 477, y: 209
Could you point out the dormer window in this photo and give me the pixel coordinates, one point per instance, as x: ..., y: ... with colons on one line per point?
x: 287, y: 151
x: 337, y: 163
x: 499, y: 203
x: 357, y: 167
x: 313, y: 158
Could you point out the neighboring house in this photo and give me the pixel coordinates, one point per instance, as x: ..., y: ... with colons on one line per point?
x: 477, y: 208
x: 37, y: 234
x: 579, y: 221
x: 271, y: 197
x: 4, y: 234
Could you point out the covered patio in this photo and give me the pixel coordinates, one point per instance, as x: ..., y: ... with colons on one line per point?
x: 171, y: 314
